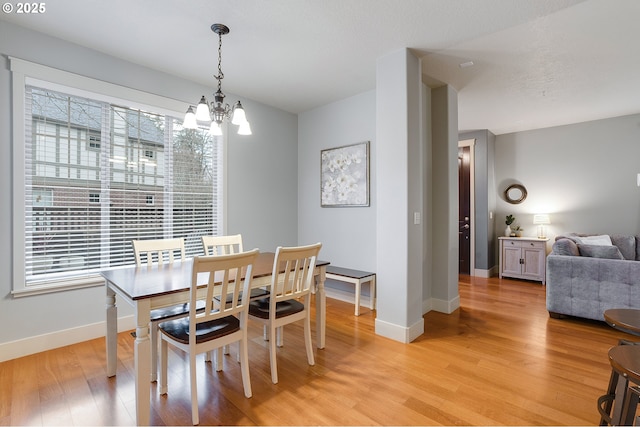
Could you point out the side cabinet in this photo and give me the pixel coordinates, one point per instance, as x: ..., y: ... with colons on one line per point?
x: 523, y: 258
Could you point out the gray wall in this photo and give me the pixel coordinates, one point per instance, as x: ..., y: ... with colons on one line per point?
x: 262, y: 176
x: 347, y: 234
x: 583, y: 175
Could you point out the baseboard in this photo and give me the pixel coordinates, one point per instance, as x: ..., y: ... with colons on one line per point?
x: 482, y: 273
x: 399, y: 333
x: 27, y: 346
x: 444, y: 306
x: 345, y: 296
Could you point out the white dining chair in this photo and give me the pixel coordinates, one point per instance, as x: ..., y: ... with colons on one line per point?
x: 292, y: 280
x: 160, y: 252
x: 222, y: 245
x: 217, y: 325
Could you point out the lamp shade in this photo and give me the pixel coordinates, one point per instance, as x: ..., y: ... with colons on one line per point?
x: 215, y: 129
x: 541, y: 219
x: 244, y: 129
x: 202, y: 111
x: 190, y: 120
x: 239, y: 117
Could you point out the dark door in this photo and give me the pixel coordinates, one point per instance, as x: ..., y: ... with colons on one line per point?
x: 464, y: 210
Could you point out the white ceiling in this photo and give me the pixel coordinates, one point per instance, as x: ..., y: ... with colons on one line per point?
x: 537, y: 63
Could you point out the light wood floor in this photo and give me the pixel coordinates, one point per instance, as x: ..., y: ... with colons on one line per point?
x: 499, y: 360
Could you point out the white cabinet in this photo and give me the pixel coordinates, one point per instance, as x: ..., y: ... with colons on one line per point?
x: 523, y: 258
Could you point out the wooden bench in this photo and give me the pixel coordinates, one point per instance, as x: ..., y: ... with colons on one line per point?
x: 356, y: 277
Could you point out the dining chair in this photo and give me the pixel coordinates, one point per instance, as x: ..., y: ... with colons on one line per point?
x: 218, y: 324
x: 292, y: 280
x: 158, y: 252
x: 222, y: 245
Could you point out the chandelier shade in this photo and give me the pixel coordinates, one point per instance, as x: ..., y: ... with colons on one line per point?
x: 215, y: 113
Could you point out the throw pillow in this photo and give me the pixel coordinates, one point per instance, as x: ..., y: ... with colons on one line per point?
x: 594, y: 240
x: 626, y: 244
x: 565, y: 247
x: 600, y: 251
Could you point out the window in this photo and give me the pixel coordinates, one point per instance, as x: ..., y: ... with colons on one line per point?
x: 94, y: 142
x: 98, y: 174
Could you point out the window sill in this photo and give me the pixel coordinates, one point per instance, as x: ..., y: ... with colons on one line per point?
x: 58, y: 287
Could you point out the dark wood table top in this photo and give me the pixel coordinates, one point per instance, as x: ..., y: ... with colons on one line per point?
x: 624, y: 319
x: 147, y: 282
x: 626, y: 359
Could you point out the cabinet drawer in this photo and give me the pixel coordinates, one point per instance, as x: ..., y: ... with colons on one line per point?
x: 524, y: 244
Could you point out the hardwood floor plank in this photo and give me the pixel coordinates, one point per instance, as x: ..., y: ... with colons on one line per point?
x: 498, y: 360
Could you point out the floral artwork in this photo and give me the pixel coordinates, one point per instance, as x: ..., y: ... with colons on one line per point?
x: 345, y: 176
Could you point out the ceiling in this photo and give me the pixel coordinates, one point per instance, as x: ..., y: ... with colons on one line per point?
x: 536, y: 63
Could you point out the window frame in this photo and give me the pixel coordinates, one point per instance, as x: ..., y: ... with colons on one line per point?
x: 29, y: 73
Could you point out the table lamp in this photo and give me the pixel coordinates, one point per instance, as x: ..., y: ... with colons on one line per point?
x: 541, y: 220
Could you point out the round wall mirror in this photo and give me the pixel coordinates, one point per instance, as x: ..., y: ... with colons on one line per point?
x: 515, y: 193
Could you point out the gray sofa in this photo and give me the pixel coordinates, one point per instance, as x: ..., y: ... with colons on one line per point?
x: 585, y: 279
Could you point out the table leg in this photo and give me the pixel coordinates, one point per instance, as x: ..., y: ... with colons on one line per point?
x: 372, y: 291
x: 142, y: 356
x: 321, y: 308
x: 358, y: 286
x: 112, y: 332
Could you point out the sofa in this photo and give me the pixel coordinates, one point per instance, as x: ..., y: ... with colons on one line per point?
x: 588, y: 274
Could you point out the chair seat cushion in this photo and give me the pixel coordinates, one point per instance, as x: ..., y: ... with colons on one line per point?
x: 179, y: 310
x: 260, y: 308
x: 179, y: 329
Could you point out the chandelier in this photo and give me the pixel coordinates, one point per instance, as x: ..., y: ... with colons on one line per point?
x: 215, y: 113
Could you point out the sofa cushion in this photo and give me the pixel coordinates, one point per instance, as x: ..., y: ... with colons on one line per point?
x: 565, y: 247
x: 601, y: 239
x: 626, y: 244
x: 600, y: 251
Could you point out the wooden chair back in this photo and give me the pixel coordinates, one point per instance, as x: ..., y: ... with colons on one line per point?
x: 157, y: 251
x: 230, y: 276
x: 222, y: 245
x: 293, y: 269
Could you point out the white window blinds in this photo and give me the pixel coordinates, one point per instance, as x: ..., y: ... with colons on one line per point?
x: 98, y: 175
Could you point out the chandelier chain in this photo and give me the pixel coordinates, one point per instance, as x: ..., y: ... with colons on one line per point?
x: 220, y: 75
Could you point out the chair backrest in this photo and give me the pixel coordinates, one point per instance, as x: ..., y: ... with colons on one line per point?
x: 293, y: 269
x: 150, y: 251
x: 229, y: 275
x: 222, y: 245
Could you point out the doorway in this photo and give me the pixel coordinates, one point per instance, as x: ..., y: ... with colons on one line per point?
x: 466, y: 240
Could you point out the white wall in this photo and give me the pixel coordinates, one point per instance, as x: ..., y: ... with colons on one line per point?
x: 348, y: 235
x: 583, y: 175
x: 262, y: 177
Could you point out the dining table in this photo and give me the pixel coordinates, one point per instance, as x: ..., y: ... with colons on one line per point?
x: 624, y: 319
x: 149, y: 287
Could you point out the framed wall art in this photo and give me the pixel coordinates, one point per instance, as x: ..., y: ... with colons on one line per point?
x: 344, y: 176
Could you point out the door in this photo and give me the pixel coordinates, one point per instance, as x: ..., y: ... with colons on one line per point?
x: 511, y: 260
x: 464, y: 210
x: 534, y: 259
